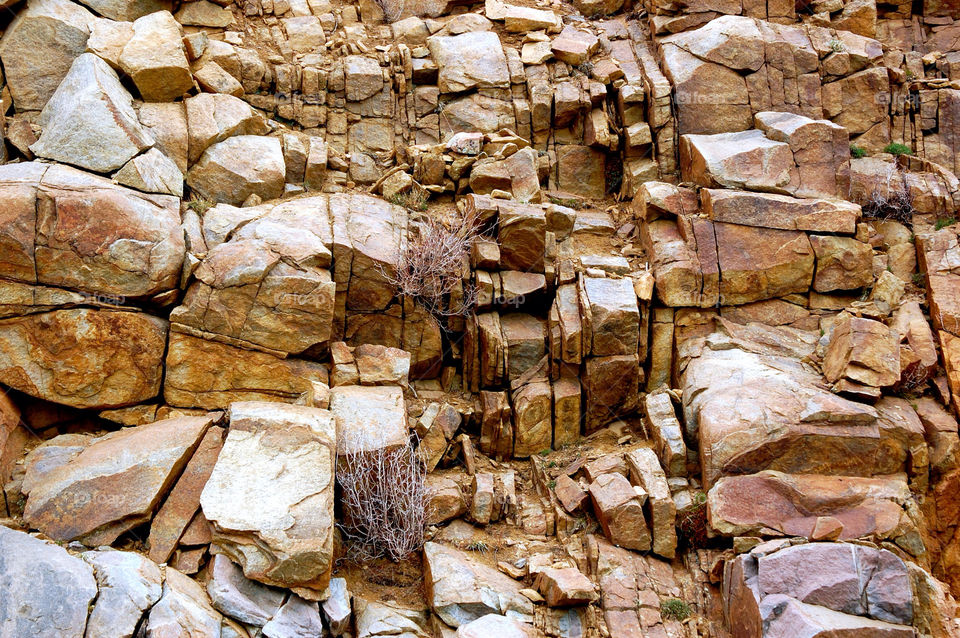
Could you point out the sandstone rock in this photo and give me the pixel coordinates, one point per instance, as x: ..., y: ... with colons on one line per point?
x: 780, y: 211
x: 496, y: 625
x: 620, y: 511
x: 522, y: 19
x: 760, y: 263
x: 533, y: 427
x: 461, y: 589
x: 155, y: 60
x: 820, y: 149
x: 784, y: 616
x: 580, y: 170
x: 89, y: 121
x: 297, y: 617
x: 210, y: 375
x: 776, y: 504
x: 747, y: 160
x: 380, y: 619
x: 612, y: 318
x: 517, y: 173
x: 281, y: 533
x: 610, y: 386
x: 46, y: 590
x: 469, y: 60
x: 380, y: 365
x: 864, y: 351
x: 574, y: 46
x: 74, y: 356
x: 304, y: 33
x: 152, y: 172
x: 712, y: 98
x: 213, y: 78
x: 183, y: 502
x: 200, y: 13
x: 238, y: 597
x: 665, y: 431
x: 107, y: 39
x: 183, y: 610
x: 525, y: 339
x: 213, y: 118
x: 166, y: 122
x: 444, y: 499
x: 129, y: 586
x: 238, y: 167
x: 521, y: 237
x: 368, y: 418
x: 565, y: 586
x: 38, y: 48
x: 336, y: 609
x: 138, y: 254
x: 646, y: 472
x: 843, y: 263
x: 115, y: 483
x: 362, y: 77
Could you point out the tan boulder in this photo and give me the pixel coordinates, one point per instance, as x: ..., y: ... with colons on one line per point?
x: 843, y: 263
x: 213, y: 117
x: 155, y: 59
x: 611, y: 316
x: 780, y: 211
x: 746, y: 160
x: 864, y: 351
x: 646, y: 472
x: 565, y: 586
x: 574, y: 46
x: 469, y: 60
x: 761, y: 263
x: 619, y: 508
x: 533, y: 426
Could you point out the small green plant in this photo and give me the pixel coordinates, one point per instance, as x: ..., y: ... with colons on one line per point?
x: 545, y: 452
x: 897, y: 149
x: 199, y: 205
x: 943, y: 222
x: 910, y: 74
x: 552, y: 484
x: 836, y: 46
x: 674, y: 609
x: 551, y: 464
x: 857, y: 151
x: 413, y: 199
x: 918, y: 279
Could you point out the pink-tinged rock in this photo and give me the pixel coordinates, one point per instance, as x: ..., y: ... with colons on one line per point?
x: 115, y: 483
x: 776, y: 504
x: 563, y: 587
x: 769, y: 210
x: 864, y: 351
x: 747, y: 160
x: 784, y: 617
x: 619, y: 509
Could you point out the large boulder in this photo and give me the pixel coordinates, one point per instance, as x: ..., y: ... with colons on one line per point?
x: 369, y: 418
x: 155, y: 59
x: 238, y: 167
x: 89, y: 121
x: 84, y: 358
x: 277, y: 526
x: 462, y: 589
x: 66, y: 243
x: 38, y: 48
x: 127, y: 10
x: 747, y: 160
x: 470, y: 60
x: 46, y: 591
x: 780, y: 211
x: 213, y: 117
x: 113, y: 484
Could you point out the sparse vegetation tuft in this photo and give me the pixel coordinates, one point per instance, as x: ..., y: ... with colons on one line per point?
x: 943, y: 222
x: 392, y: 9
x: 199, y: 205
x: 898, y: 149
x: 857, y: 151
x: 674, y: 609
x: 836, y: 46
x: 414, y: 199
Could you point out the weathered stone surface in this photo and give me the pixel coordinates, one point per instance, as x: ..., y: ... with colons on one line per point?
x: 843, y: 263
x: 525, y: 338
x: 862, y: 350
x: 665, y: 431
x: 115, y: 483
x: 620, y: 511
x: 213, y: 118
x: 137, y: 254
x: 279, y: 528
x: 760, y: 263
x: 336, y: 609
x: 84, y: 358
x: 533, y: 427
x: 381, y: 619
x: 183, y: 610
x: 612, y: 317
x: 574, y: 46
x: 238, y: 167
x: 646, y: 472
x: 236, y: 596
x: 784, y: 616
x: 38, y: 48
x: 496, y: 625
x: 581, y: 170
x: 183, y: 502
x: 565, y: 586
x: 521, y: 231
x: 297, y: 617
x: 776, y: 504
x: 129, y: 586
x: 610, y: 386
x: 210, y: 375
x: 380, y: 365
x: 461, y: 589
x: 368, y: 418
x: 820, y: 149
x: 469, y: 60
x: 780, y: 211
x: 746, y: 160
x: 155, y: 59
x: 362, y: 77
x: 89, y: 121
x: 152, y: 172
x: 46, y: 590
x: 201, y: 13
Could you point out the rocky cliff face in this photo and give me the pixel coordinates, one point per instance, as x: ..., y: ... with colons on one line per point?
x: 446, y: 318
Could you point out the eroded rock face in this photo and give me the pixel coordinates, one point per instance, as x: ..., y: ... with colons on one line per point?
x: 129, y: 585
x: 469, y: 60
x: 89, y: 121
x: 461, y: 589
x: 238, y: 167
x: 71, y: 229
x: 43, y: 578
x: 183, y: 610
x: 279, y: 528
x: 114, y: 483
x: 84, y: 358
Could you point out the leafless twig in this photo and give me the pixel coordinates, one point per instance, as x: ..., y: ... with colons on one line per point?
x: 891, y: 198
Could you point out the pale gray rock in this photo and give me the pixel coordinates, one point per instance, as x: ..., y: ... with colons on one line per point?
x: 152, y: 172
x: 237, y: 596
x: 129, y: 585
x: 297, y: 618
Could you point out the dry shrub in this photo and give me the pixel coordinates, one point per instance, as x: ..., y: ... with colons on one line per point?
x: 431, y: 265
x: 384, y: 501
x: 392, y: 9
x: 890, y: 198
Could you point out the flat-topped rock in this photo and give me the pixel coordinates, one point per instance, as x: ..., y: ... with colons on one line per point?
x: 780, y: 211
x: 469, y: 60
x: 746, y: 160
x: 368, y: 417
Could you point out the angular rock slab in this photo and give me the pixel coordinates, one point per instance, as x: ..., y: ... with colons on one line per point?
x: 270, y: 496
x: 84, y: 358
x: 238, y: 167
x: 67, y: 228
x: 155, y: 58
x: 183, y: 610
x: 129, y: 584
x: 747, y: 160
x: 46, y: 591
x: 368, y: 418
x: 38, y: 48
x: 90, y: 122
x: 469, y: 60
x: 115, y: 483
x: 461, y: 589
x: 238, y: 597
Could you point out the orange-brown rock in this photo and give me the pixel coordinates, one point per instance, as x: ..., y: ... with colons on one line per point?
x: 864, y: 351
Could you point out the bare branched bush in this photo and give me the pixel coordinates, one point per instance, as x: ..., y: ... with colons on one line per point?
x: 431, y: 265
x: 384, y: 499
x: 891, y: 198
x: 392, y: 9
